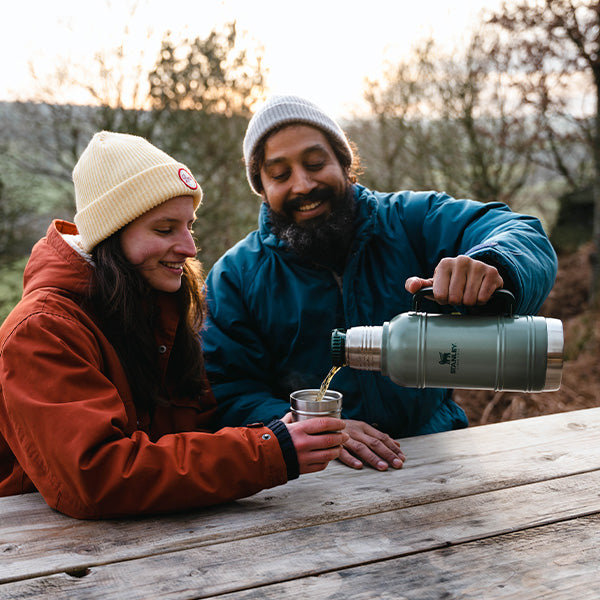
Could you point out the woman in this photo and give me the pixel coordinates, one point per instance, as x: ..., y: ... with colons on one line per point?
x: 104, y: 404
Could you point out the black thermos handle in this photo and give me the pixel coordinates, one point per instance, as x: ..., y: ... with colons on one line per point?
x: 504, y: 298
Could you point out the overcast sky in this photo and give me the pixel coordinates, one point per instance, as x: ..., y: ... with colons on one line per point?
x: 322, y: 49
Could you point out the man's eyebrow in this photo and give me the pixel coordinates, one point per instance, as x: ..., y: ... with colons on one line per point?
x: 273, y: 161
x: 280, y: 159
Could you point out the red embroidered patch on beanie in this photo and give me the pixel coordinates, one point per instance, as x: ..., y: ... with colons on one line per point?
x: 188, y: 179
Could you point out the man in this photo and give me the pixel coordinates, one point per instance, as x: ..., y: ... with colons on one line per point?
x: 329, y: 254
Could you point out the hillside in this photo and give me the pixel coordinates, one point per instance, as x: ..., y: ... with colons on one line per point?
x: 580, y: 387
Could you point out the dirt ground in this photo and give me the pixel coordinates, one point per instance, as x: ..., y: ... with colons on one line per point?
x: 581, y: 372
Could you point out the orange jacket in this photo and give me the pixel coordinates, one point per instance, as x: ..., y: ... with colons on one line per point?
x: 68, y: 425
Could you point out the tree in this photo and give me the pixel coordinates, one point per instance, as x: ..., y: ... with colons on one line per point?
x: 554, y: 51
x: 202, y: 92
x: 446, y: 122
x: 54, y: 124
x: 210, y: 75
x: 390, y: 136
x: 12, y: 230
x: 195, y: 105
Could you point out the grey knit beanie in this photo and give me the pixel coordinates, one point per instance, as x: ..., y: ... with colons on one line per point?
x: 280, y: 110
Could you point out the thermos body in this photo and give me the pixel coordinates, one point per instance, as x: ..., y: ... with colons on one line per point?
x: 500, y: 353
x: 419, y: 349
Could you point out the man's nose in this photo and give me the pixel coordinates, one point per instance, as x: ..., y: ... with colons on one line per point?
x: 302, y: 182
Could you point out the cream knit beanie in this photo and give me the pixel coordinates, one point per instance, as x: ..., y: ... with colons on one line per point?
x: 280, y: 110
x: 120, y: 177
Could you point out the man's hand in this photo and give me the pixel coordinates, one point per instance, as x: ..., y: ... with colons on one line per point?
x: 369, y: 446
x: 459, y: 280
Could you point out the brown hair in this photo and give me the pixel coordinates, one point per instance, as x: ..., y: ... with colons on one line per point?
x: 123, y: 302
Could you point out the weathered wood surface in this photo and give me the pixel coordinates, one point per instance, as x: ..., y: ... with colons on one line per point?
x: 557, y: 562
x: 264, y: 558
x: 463, y: 489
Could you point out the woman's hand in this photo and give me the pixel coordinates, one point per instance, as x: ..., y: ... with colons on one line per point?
x: 317, y: 442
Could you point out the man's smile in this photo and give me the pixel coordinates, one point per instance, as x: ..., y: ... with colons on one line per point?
x: 309, y: 206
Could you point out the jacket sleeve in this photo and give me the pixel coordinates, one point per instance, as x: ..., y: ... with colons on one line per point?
x: 76, y: 438
x: 239, y: 366
x: 439, y: 225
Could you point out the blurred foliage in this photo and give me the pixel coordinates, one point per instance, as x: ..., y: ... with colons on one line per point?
x: 575, y: 214
x: 552, y: 49
x: 209, y: 75
x: 14, y: 220
x: 445, y: 122
x: 440, y: 123
x: 202, y: 92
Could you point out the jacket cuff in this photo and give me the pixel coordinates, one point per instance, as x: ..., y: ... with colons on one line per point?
x: 287, y: 448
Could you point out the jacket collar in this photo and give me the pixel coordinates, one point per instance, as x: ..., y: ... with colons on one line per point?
x: 54, y: 263
x: 366, y: 216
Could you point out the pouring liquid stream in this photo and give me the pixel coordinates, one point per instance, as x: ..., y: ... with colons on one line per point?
x: 326, y: 382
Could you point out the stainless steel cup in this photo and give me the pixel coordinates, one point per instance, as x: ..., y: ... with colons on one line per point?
x: 304, y: 405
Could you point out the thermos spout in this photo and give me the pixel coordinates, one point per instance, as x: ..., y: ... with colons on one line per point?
x: 359, y: 347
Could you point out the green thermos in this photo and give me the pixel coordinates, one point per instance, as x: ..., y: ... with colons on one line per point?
x: 430, y: 350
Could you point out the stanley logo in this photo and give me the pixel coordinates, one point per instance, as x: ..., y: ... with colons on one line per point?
x: 450, y: 358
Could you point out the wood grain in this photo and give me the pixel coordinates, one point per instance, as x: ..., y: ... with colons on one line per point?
x: 465, y: 490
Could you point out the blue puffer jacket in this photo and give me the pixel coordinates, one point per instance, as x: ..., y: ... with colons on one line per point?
x: 271, y: 314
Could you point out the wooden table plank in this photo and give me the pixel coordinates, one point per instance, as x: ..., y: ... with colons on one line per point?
x: 344, y: 545
x: 529, y: 565
x: 441, y: 466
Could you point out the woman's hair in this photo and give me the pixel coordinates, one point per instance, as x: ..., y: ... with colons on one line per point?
x: 352, y: 169
x: 123, y: 301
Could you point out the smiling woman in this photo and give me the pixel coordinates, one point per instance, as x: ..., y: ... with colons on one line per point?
x: 159, y: 242
x: 110, y: 322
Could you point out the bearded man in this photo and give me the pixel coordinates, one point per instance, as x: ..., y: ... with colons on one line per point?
x: 330, y: 253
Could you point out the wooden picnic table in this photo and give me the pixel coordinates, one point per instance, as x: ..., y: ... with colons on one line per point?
x: 509, y: 510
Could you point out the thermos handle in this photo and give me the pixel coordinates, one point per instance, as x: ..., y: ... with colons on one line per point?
x: 504, y: 298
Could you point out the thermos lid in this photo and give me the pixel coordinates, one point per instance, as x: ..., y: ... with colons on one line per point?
x: 338, y: 348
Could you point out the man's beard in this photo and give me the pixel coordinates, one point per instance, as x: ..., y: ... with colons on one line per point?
x: 326, y: 239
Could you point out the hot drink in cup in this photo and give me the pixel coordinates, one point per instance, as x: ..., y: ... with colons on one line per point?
x: 305, y: 404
